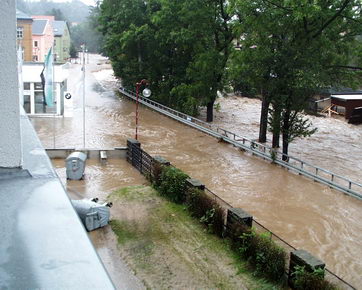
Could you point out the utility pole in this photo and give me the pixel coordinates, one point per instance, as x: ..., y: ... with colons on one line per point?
x: 83, y: 68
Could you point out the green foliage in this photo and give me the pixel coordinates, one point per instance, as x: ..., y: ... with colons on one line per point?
x: 172, y: 184
x: 181, y: 47
x: 207, y: 210
x: 87, y: 32
x: 263, y: 253
x: 305, y: 280
x: 217, y: 107
x: 72, y: 50
x: 292, y: 49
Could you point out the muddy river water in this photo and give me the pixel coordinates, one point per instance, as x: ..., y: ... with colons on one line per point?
x: 306, y: 214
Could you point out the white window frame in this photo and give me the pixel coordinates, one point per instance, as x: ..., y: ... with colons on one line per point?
x: 19, y: 32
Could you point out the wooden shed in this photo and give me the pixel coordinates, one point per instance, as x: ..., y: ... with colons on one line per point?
x: 349, y: 101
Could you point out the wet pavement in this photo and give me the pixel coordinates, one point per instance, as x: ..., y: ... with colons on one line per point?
x: 305, y: 213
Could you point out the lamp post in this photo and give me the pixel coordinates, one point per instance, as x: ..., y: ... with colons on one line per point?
x: 146, y: 93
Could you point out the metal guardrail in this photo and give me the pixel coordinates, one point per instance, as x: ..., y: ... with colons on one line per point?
x: 301, y: 167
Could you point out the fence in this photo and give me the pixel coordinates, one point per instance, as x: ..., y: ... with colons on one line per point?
x: 144, y: 162
x: 301, y: 167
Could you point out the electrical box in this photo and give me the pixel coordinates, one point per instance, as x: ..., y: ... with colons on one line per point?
x: 75, y: 165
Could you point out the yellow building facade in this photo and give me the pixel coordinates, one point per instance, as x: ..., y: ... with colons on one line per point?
x: 24, y: 35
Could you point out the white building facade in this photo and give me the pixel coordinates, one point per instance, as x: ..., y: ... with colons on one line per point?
x: 34, y: 101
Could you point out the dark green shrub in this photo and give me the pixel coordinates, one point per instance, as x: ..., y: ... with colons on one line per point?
x: 155, y: 176
x: 172, y: 184
x: 264, y: 254
x: 305, y: 280
x: 206, y: 210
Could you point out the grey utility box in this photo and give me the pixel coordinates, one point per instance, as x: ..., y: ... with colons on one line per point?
x: 75, y: 164
x: 92, y: 214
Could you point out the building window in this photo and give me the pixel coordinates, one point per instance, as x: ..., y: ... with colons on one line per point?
x: 55, y: 43
x: 26, y: 86
x: 35, y: 58
x: 19, y: 32
x: 38, y: 86
x: 35, y: 43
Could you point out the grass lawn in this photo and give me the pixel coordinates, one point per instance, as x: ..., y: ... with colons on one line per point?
x: 167, y: 248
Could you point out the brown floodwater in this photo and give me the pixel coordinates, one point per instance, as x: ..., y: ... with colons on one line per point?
x: 306, y: 214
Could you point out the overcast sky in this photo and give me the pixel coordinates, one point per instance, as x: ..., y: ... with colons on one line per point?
x: 88, y: 2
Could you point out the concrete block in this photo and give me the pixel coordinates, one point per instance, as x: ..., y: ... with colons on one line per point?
x: 238, y: 215
x: 131, y: 141
x: 161, y: 161
x: 195, y: 183
x: 303, y: 258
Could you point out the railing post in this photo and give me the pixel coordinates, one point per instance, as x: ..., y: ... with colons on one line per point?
x: 132, y: 146
x: 235, y: 219
x: 195, y: 183
x: 304, y: 259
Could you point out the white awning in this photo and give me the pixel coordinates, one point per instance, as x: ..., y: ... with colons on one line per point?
x: 348, y: 97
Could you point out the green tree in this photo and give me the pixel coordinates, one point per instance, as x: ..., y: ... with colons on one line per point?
x: 181, y: 47
x: 57, y: 13
x: 87, y: 32
x: 290, y: 49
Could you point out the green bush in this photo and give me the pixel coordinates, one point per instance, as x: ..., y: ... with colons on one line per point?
x: 172, y: 184
x: 206, y: 210
x: 263, y: 253
x: 305, y: 280
x: 155, y: 176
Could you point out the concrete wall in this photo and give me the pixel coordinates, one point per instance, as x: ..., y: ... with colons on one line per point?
x: 10, y: 141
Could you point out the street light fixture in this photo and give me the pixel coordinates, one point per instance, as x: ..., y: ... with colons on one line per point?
x: 146, y: 93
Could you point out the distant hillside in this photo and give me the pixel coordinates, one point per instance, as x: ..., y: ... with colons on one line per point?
x: 75, y: 11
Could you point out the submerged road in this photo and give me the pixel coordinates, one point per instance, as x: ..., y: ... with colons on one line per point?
x: 306, y: 214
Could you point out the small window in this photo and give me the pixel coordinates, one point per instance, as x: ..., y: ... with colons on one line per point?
x: 26, y: 86
x: 19, y: 32
x: 35, y: 43
x: 38, y: 86
x: 35, y: 58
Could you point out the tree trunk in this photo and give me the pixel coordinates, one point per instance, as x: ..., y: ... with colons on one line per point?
x: 276, y: 139
x: 285, y: 148
x: 264, y: 119
x: 276, y: 128
x: 210, y: 111
x: 285, y: 130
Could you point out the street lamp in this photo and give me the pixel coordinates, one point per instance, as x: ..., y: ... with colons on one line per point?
x: 146, y: 93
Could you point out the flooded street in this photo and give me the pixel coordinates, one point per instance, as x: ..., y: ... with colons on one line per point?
x: 306, y: 214
x: 336, y: 146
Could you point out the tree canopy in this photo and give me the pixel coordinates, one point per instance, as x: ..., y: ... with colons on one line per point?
x: 290, y: 50
x: 181, y: 47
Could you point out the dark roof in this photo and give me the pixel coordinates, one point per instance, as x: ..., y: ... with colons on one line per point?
x: 21, y: 15
x: 39, y: 26
x: 58, y: 27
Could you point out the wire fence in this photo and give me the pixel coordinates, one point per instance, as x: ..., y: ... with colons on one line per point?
x: 144, y: 162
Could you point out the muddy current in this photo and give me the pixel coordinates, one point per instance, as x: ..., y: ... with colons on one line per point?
x: 307, y: 214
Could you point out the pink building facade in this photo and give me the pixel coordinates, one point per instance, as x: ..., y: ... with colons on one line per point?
x: 43, y: 36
